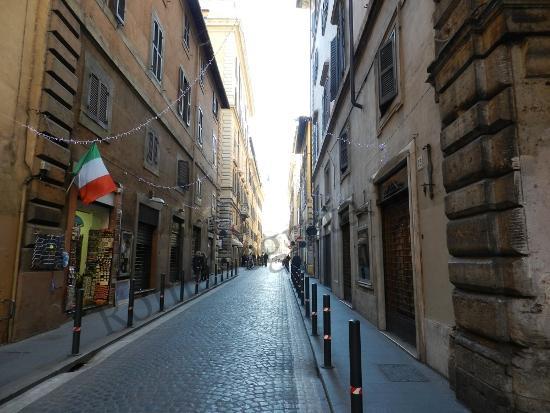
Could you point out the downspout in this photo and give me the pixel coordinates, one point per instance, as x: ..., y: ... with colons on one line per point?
x: 351, y: 59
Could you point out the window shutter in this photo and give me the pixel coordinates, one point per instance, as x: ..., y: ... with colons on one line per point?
x: 334, y: 78
x: 93, y: 95
x: 343, y: 153
x: 103, y: 107
x: 183, y: 174
x: 181, y: 90
x: 387, y: 71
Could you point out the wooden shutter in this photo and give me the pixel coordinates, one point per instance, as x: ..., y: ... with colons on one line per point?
x: 387, y: 81
x: 334, y: 78
x: 103, y: 106
x: 93, y: 95
x: 183, y: 174
x: 344, y: 153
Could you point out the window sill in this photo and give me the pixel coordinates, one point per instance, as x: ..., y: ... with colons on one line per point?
x: 383, y: 121
x: 365, y: 284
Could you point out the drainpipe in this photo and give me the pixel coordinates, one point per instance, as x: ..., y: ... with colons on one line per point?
x: 351, y: 59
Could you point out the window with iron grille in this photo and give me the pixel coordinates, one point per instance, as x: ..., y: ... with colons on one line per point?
x: 200, y: 119
x: 183, y: 174
x: 344, y: 146
x: 387, y: 73
x: 152, y: 150
x: 186, y: 31
x: 157, y: 50
x: 184, y: 97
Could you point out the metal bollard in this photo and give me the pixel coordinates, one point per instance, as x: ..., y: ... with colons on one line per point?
x: 215, y: 274
x: 77, y: 321
x: 227, y: 270
x: 130, y: 321
x: 306, y: 299
x: 232, y: 268
x: 196, y: 283
x: 236, y: 267
x: 327, y: 338
x: 355, y: 375
x: 301, y: 287
x: 314, y: 309
x: 161, y: 295
x: 182, y: 285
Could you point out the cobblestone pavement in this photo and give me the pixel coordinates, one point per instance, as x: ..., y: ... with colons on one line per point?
x: 241, y: 349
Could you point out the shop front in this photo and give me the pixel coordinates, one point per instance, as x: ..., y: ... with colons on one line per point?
x: 91, y: 252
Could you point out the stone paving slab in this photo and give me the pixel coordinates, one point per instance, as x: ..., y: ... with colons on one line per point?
x: 242, y: 349
x: 407, y: 386
x: 30, y: 361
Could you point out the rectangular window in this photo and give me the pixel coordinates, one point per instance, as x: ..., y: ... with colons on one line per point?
x: 152, y: 150
x: 387, y: 73
x: 215, y: 105
x: 363, y: 256
x: 200, y: 119
x: 99, y: 99
x: 324, y: 16
x: 198, y: 188
x: 186, y: 32
x: 213, y: 206
x: 344, y: 153
x: 315, y: 141
x: 327, y: 182
x: 214, y: 151
x: 157, y: 51
x: 118, y: 7
x: 183, y: 174
x: 184, y: 96
x: 315, y: 68
x: 202, y: 73
x: 326, y: 105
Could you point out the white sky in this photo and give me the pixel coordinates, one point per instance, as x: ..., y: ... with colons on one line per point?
x: 277, y: 42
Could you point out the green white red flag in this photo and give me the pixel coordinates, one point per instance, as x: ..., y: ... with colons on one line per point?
x: 92, y: 177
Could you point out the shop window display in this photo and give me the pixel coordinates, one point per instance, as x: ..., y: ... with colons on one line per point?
x: 91, y: 254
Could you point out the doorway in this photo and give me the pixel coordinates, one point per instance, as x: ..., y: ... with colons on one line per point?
x: 346, y: 262
x: 398, y: 271
x: 327, y: 276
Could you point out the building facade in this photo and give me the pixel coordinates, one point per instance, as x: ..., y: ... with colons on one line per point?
x: 490, y: 73
x: 377, y: 178
x: 241, y: 195
x: 140, y: 79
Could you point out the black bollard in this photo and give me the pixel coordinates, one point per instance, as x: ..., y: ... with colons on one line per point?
x: 355, y: 376
x: 215, y: 274
x: 301, y: 289
x: 161, y: 295
x: 130, y: 321
x: 227, y: 271
x: 232, y: 268
x: 221, y: 272
x: 182, y: 285
x: 327, y: 338
x: 236, y: 267
x: 314, y: 309
x: 306, y: 299
x: 77, y: 321
x: 196, y: 283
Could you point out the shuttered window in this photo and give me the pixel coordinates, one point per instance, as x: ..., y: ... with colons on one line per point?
x: 387, y: 74
x: 326, y: 105
x: 183, y: 174
x: 157, y: 51
x: 334, y: 68
x: 99, y: 99
x: 315, y: 67
x: 324, y: 16
x: 344, y: 155
x: 214, y: 151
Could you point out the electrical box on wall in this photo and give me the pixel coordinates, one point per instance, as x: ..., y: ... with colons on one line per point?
x: 419, y: 163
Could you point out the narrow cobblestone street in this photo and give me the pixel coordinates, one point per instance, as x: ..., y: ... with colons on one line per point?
x: 241, y: 348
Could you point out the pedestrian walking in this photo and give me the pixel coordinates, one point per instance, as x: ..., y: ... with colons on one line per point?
x: 296, y: 264
x: 198, y: 265
x: 266, y: 257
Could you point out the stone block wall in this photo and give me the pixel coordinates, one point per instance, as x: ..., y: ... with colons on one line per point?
x: 491, y: 76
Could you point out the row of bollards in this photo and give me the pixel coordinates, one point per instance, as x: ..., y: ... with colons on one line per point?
x: 79, y: 298
x: 302, y: 288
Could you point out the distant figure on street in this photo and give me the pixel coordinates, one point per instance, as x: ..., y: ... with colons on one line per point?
x: 296, y: 264
x: 266, y: 257
x: 286, y: 261
x: 199, y: 264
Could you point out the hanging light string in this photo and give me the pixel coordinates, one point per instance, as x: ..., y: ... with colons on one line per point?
x: 135, y: 129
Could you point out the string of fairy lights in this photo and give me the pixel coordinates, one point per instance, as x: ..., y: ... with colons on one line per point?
x: 134, y: 130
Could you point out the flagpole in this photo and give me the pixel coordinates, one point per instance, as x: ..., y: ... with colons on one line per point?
x: 71, y: 184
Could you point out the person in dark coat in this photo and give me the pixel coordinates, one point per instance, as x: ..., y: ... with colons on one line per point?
x: 296, y: 264
x: 266, y: 257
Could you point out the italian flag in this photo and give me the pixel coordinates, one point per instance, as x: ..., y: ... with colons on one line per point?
x: 91, y: 177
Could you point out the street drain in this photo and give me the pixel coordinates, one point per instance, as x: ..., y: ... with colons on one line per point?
x: 401, y: 373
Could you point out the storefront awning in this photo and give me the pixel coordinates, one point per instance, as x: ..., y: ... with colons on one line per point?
x: 236, y: 242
